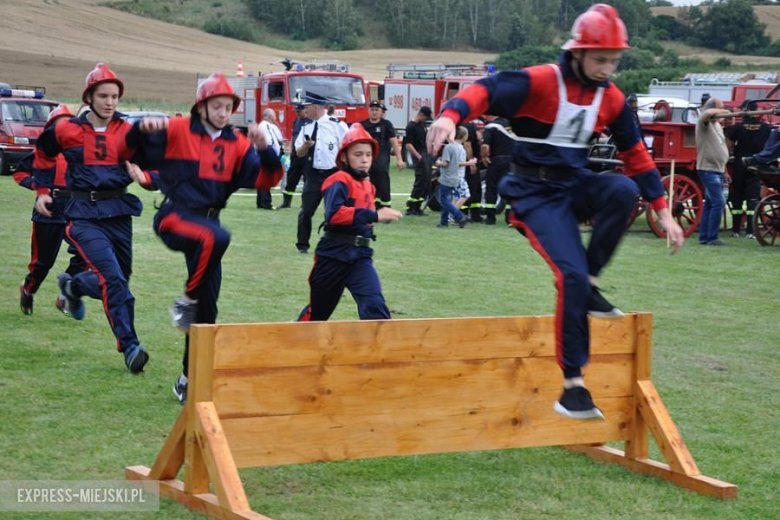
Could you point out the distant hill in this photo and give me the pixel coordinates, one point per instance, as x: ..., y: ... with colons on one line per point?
x: 767, y: 14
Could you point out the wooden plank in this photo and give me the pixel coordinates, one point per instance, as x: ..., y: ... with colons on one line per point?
x: 408, y: 388
x: 292, y: 439
x: 697, y: 483
x: 199, y: 389
x: 665, y: 432
x: 216, y: 452
x: 637, y: 447
x: 205, y: 503
x: 171, y: 457
x: 404, y: 341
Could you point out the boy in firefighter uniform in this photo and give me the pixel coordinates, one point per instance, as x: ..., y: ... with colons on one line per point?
x: 200, y: 161
x: 554, y: 111
x: 48, y: 232
x: 98, y: 208
x: 383, y: 132
x: 343, y: 256
x: 745, y: 139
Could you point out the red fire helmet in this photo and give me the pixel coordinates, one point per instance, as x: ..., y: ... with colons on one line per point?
x: 356, y: 134
x: 216, y: 85
x: 600, y: 27
x: 101, y: 74
x: 61, y: 111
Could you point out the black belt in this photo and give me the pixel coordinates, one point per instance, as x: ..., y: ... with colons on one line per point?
x: 93, y: 196
x: 546, y: 173
x: 209, y: 213
x: 345, y: 238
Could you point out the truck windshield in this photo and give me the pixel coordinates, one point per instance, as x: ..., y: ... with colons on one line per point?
x: 339, y: 90
x: 26, y: 112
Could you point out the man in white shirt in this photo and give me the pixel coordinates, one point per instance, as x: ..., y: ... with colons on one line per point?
x: 274, y: 138
x: 318, y: 144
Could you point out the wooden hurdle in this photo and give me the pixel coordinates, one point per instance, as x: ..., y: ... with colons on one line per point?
x: 289, y: 393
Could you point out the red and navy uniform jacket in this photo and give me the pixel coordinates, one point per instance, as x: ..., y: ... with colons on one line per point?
x: 24, y: 177
x: 197, y: 172
x: 96, y: 162
x: 529, y: 99
x: 349, y: 210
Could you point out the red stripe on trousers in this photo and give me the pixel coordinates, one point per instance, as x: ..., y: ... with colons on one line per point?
x: 101, y: 279
x: 173, y: 223
x: 514, y: 222
x: 33, y: 256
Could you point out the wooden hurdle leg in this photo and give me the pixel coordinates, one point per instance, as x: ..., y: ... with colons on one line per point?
x: 681, y: 469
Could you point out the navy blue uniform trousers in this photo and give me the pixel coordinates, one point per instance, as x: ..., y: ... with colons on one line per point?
x: 107, y: 247
x: 45, y: 245
x: 328, y: 279
x: 550, y: 219
x: 203, y: 242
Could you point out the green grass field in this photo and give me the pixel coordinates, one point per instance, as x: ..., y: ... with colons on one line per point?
x: 71, y: 412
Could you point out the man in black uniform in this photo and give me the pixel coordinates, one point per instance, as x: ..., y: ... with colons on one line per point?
x: 414, y: 142
x: 383, y: 133
x: 473, y: 177
x: 745, y: 139
x: 296, y: 163
x: 496, y: 152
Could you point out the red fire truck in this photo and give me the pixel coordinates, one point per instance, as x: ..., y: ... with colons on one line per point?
x: 23, y: 113
x: 280, y: 91
x: 424, y: 85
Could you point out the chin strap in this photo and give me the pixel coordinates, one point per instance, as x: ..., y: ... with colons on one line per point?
x: 580, y: 71
x: 357, y: 174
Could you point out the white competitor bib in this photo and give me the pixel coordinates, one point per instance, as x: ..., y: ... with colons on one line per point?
x: 574, y: 124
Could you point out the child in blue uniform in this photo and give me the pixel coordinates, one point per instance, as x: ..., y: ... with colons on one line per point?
x: 98, y: 208
x: 343, y: 256
x: 48, y: 231
x: 554, y: 111
x: 200, y: 161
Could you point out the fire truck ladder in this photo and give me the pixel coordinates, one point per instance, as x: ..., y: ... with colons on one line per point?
x: 434, y: 70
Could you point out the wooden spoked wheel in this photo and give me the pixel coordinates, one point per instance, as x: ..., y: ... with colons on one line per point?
x: 766, y: 221
x: 686, y: 206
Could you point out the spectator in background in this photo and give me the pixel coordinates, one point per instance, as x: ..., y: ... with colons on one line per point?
x: 744, y: 139
x: 712, y: 154
x: 496, y: 152
x: 414, y: 143
x: 296, y: 169
x: 264, y: 199
x: 472, y: 177
x: 452, y: 169
x: 332, y: 116
x: 383, y: 132
x: 318, y: 143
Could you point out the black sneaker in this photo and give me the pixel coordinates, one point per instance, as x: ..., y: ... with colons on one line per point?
x: 464, y: 221
x: 576, y: 403
x: 180, y: 391
x: 25, y: 301
x: 184, y: 314
x: 135, y: 359
x: 599, y: 307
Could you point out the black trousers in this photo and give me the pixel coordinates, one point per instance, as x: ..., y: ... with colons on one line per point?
x: 474, y: 203
x: 745, y: 187
x: 310, y: 201
x: 380, y: 178
x: 498, y: 167
x: 294, y: 174
x: 422, y: 182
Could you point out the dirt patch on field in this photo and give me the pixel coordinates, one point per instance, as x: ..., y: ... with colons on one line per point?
x: 63, y: 39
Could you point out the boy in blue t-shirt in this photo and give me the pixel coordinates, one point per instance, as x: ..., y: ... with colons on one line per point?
x: 452, y: 167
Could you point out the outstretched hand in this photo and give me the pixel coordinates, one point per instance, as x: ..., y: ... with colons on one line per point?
x: 673, y: 230
x: 135, y: 172
x: 441, y: 130
x: 258, y: 137
x: 150, y: 125
x: 385, y: 214
x: 42, y: 204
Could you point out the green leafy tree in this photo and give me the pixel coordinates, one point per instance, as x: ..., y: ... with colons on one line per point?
x: 527, y: 56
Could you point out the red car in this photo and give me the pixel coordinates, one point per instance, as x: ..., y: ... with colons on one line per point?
x: 23, y: 113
